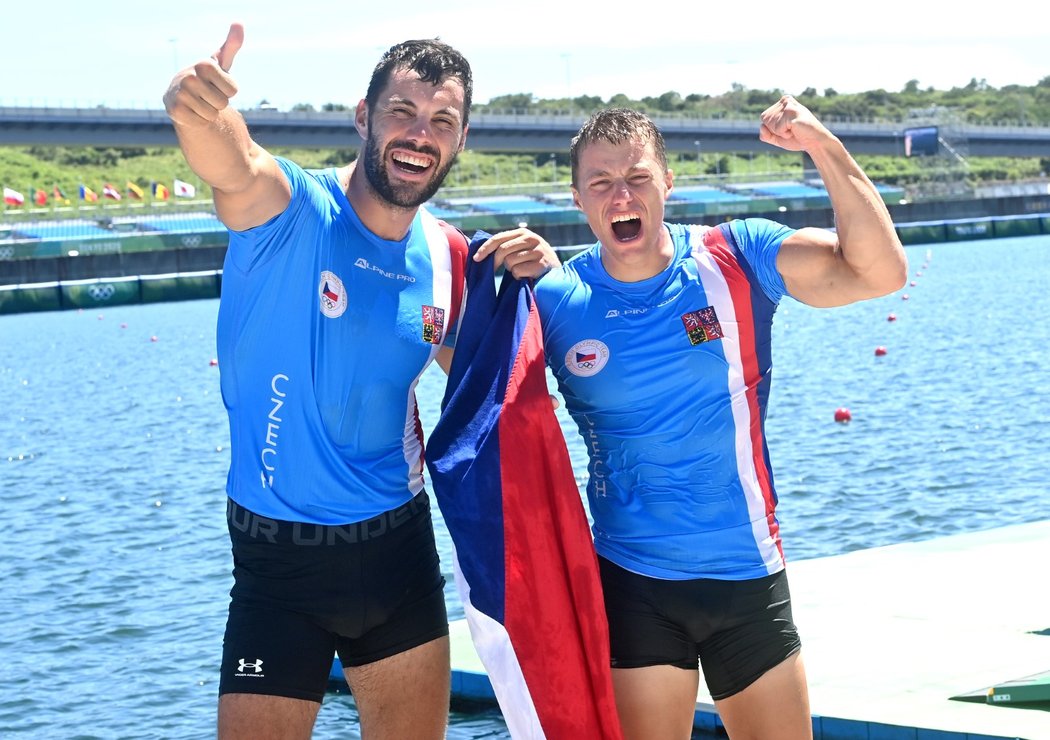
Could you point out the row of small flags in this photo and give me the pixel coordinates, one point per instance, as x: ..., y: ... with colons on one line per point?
x: 158, y: 191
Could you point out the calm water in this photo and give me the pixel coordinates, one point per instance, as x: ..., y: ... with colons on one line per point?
x: 113, y: 451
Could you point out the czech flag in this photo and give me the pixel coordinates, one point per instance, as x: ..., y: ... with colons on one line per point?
x: 524, y: 560
x: 13, y: 197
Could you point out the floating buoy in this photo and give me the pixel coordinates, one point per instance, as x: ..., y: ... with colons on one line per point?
x: 913, y: 283
x: 904, y: 297
x: 123, y: 326
x: 153, y: 338
x: 891, y: 317
x: 213, y: 362
x: 100, y: 317
x: 842, y: 415
x: 880, y: 351
x: 918, y: 274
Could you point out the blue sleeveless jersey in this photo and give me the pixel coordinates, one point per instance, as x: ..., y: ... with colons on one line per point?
x: 323, y: 332
x: 668, y: 380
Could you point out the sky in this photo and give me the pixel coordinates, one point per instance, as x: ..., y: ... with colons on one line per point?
x: 71, y: 53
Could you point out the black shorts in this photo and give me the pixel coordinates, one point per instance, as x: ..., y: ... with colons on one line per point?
x: 304, y: 592
x: 737, y: 629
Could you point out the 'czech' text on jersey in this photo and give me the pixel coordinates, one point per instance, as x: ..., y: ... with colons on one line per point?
x: 324, y: 330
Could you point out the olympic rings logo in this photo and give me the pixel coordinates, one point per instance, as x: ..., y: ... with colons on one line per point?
x: 101, y: 292
x: 191, y: 241
x: 7, y: 253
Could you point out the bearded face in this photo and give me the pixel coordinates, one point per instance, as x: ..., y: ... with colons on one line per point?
x: 398, y: 156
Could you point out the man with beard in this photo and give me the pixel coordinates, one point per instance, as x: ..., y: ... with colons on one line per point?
x: 338, y: 291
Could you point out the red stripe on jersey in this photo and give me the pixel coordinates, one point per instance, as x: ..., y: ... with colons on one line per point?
x: 419, y: 435
x: 740, y: 293
x: 458, y: 248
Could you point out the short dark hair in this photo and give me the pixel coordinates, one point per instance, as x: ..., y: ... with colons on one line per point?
x: 615, y: 126
x: 433, y: 60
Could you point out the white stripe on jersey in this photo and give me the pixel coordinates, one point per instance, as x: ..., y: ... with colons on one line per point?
x: 441, y: 297
x: 717, y: 290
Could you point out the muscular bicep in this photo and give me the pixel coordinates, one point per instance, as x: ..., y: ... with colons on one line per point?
x: 258, y: 197
x: 814, y: 272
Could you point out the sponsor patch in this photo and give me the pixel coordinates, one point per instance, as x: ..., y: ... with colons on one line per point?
x: 587, y: 358
x: 702, y: 326
x: 332, y: 295
x: 433, y: 324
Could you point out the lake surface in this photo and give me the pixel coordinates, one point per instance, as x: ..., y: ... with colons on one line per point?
x: 115, y: 559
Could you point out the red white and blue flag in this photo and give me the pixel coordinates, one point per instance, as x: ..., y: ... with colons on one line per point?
x: 524, y: 561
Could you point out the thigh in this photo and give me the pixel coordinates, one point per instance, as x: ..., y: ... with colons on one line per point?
x: 756, y: 634
x: 643, y: 630
x: 401, y: 597
x: 404, y: 695
x: 656, y: 702
x: 775, y: 705
x: 275, y: 652
x: 260, y: 717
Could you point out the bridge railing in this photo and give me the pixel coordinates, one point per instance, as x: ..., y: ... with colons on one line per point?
x: 557, y: 118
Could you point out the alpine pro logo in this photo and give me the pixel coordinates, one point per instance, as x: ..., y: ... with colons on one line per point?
x: 249, y: 668
x: 587, y: 358
x: 364, y: 265
x: 702, y: 325
x: 332, y: 295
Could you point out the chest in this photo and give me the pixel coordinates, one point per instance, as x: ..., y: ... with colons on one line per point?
x: 609, y: 349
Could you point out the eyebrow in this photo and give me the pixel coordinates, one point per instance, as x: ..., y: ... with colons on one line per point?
x: 396, y: 100
x: 634, y: 169
x: 399, y: 100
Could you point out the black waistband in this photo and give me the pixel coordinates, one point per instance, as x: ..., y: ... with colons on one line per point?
x: 244, y: 523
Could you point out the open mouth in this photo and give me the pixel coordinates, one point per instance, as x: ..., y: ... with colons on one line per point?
x: 413, y: 164
x: 626, y: 226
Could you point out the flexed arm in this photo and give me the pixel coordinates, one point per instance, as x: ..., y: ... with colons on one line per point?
x: 247, y: 182
x: 864, y: 258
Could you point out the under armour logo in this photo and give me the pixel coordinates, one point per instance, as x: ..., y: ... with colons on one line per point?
x: 244, y: 664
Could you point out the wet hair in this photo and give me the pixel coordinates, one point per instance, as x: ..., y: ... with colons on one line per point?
x: 616, y: 126
x: 433, y: 60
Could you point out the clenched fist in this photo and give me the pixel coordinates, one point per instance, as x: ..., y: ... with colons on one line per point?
x: 199, y: 93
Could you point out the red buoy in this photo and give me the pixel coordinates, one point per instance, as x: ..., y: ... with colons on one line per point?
x: 904, y: 297
x: 213, y: 362
x: 842, y: 415
x: 880, y: 351
x: 891, y: 317
x: 153, y: 338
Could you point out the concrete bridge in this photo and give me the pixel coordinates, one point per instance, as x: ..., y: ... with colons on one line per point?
x: 489, y: 132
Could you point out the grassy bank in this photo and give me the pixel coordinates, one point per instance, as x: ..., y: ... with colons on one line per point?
x: 27, y: 169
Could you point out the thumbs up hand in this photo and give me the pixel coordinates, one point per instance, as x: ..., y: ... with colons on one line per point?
x: 198, y: 94
x: 233, y: 43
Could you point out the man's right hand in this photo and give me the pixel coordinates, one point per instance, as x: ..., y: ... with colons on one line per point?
x: 199, y: 93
